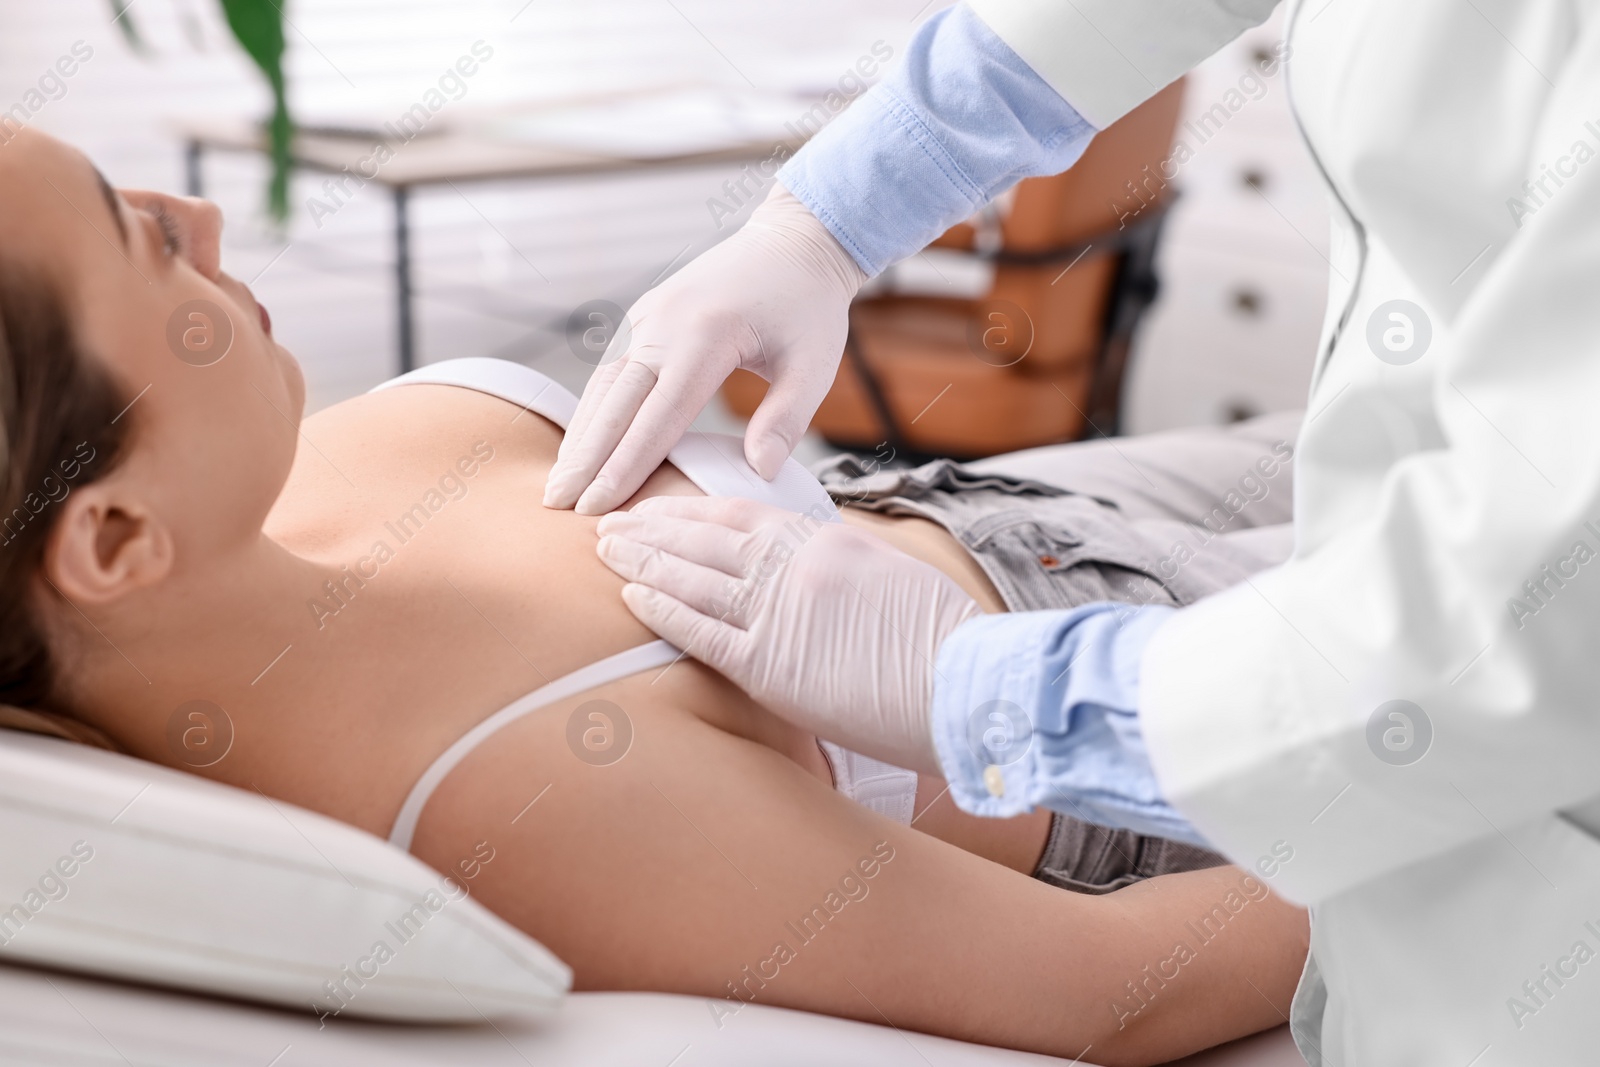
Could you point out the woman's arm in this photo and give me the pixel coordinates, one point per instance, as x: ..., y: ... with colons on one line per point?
x: 706, y: 864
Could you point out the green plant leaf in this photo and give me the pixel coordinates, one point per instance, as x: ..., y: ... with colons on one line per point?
x: 124, y: 22
x: 258, y: 27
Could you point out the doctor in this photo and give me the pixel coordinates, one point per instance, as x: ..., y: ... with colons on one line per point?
x: 1412, y: 702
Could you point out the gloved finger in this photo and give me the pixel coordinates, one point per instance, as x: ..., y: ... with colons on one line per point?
x: 736, y: 513
x: 655, y: 427
x: 594, y: 392
x: 708, y: 544
x: 709, y: 640
x: 627, y: 343
x: 784, y: 413
x: 574, y: 476
x: 708, y: 591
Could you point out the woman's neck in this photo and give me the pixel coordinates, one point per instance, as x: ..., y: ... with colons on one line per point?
x: 211, y: 633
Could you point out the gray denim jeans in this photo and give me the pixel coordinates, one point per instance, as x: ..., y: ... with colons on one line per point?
x: 1158, y: 519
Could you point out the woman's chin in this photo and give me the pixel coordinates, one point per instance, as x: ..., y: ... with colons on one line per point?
x: 294, y: 380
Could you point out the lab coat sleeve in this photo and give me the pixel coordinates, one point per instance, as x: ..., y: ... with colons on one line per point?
x: 1040, y: 708
x: 1469, y: 591
x: 1106, y: 57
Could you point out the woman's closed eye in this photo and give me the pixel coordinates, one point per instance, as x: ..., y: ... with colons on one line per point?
x: 171, y: 235
x: 181, y: 227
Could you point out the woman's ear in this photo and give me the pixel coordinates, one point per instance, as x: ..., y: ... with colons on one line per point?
x: 105, y: 545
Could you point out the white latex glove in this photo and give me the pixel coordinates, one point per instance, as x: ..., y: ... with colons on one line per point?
x: 773, y: 298
x: 826, y: 625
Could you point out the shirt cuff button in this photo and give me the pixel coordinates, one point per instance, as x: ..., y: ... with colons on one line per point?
x: 994, y: 781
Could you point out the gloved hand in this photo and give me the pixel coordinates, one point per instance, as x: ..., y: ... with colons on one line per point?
x: 773, y: 299
x: 826, y: 625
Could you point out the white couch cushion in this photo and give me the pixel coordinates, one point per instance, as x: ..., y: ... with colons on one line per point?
x: 118, y: 867
x: 58, y: 1020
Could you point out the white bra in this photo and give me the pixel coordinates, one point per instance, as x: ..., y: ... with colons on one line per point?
x: 716, y: 464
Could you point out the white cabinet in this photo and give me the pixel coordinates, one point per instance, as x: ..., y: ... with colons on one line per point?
x: 1243, y: 264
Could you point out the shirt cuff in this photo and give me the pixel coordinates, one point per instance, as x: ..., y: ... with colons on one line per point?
x: 1040, y: 708
x: 959, y: 121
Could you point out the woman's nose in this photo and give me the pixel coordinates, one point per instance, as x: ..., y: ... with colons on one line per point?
x: 201, y: 223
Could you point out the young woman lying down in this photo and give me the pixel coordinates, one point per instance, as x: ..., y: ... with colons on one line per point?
x: 358, y: 592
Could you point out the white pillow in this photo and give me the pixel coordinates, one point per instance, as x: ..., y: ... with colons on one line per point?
x: 122, y: 868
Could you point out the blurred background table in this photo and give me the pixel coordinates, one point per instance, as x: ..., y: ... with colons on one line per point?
x: 549, y: 143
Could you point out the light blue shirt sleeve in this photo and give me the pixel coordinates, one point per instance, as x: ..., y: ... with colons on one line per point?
x: 1040, y: 708
x: 958, y: 122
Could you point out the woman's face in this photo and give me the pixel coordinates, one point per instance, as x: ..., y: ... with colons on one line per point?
x: 215, y: 402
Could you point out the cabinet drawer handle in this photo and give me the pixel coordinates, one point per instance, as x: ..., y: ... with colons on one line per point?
x: 1248, y: 302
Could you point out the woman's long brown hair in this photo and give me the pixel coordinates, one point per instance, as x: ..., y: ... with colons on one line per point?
x: 59, y: 430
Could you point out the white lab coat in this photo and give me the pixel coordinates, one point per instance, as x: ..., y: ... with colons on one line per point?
x: 1456, y: 898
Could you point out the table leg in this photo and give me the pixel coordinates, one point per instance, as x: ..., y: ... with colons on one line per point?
x: 191, y: 167
x: 402, y: 278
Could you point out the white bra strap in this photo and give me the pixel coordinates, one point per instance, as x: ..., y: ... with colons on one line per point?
x: 713, y: 461
x: 513, y: 382
x: 610, y: 669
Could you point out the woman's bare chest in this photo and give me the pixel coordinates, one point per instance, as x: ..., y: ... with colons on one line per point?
x: 453, y: 592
